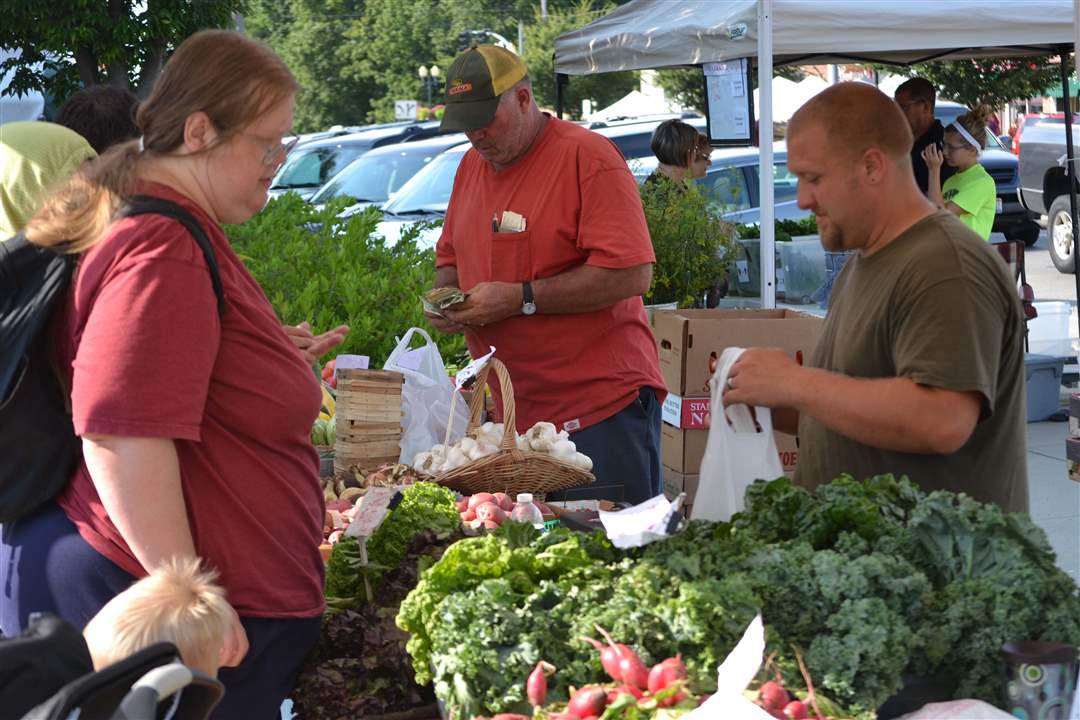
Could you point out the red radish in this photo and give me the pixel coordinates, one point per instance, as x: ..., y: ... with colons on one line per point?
x: 609, y: 659
x: 469, y: 515
x: 335, y: 537
x: 490, y: 511
x: 536, y: 685
x: 795, y: 710
x: 462, y: 505
x: 624, y: 690
x: 504, y: 501
x: 665, y: 673
x: 631, y: 670
x: 479, y: 499
x: 773, y: 695
x: 589, y: 700
x: 490, y: 525
x: 475, y: 524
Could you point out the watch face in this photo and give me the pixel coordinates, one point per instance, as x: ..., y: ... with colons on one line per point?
x: 528, y: 308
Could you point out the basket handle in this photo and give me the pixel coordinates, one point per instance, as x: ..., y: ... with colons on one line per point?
x: 476, y: 404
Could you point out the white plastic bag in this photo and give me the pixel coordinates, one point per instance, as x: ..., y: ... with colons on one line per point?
x: 736, y: 454
x: 426, y: 397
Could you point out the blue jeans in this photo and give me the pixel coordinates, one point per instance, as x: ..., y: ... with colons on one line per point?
x: 46, y: 566
x: 625, y: 450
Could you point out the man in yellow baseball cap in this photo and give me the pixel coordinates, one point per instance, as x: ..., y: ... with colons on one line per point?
x: 474, y: 83
x: 546, y: 234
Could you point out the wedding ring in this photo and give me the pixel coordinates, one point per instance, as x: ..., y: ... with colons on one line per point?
x: 729, y: 385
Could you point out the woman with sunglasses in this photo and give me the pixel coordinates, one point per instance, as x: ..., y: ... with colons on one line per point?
x: 194, y: 417
x: 970, y: 194
x: 683, y: 152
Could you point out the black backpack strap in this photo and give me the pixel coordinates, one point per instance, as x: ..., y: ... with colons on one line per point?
x: 149, y: 205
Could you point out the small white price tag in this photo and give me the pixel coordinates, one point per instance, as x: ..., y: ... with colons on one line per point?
x: 743, y: 269
x: 780, y: 280
x: 373, y: 509
x: 471, y: 370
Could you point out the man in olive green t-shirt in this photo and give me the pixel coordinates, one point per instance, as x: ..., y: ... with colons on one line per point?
x: 919, y: 370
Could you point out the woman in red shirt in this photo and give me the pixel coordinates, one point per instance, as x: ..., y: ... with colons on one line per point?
x: 194, y: 423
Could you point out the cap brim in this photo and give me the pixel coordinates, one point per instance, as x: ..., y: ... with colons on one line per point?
x: 463, y: 116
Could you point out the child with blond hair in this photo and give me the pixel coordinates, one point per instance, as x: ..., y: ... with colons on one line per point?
x: 178, y: 602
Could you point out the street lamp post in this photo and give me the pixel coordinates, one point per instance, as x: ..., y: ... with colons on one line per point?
x: 430, y: 76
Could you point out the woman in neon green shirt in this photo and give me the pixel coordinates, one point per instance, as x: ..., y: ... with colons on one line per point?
x: 970, y: 194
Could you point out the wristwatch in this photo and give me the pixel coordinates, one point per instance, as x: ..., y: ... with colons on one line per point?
x: 528, y: 307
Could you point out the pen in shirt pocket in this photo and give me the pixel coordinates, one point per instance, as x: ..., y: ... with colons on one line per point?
x: 495, y: 222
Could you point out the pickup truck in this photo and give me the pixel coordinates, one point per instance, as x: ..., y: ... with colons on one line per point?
x: 1044, y: 189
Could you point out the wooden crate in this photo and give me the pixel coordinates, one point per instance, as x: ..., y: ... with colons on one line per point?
x: 368, y: 418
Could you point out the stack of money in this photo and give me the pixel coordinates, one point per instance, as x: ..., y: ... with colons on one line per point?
x: 438, y: 299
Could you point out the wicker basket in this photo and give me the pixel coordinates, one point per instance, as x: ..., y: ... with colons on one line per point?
x: 510, y: 470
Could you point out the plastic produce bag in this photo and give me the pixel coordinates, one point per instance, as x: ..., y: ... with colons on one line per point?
x: 425, y: 397
x: 736, y: 454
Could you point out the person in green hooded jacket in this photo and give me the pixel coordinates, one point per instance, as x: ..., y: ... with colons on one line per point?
x: 34, y: 156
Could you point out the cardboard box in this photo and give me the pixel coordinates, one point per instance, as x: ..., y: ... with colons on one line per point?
x: 682, y: 450
x: 676, y: 482
x: 687, y: 338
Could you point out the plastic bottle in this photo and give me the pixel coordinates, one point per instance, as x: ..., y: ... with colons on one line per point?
x: 525, y: 511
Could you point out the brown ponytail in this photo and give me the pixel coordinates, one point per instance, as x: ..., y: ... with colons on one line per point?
x: 228, y: 76
x: 974, y: 121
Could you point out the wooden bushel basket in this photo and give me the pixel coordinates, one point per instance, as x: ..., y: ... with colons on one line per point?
x: 509, y: 470
x: 368, y: 418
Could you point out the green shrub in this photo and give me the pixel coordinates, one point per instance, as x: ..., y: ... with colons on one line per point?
x: 693, y: 245
x: 314, y: 266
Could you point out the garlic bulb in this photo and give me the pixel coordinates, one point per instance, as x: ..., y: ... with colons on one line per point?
x: 481, y: 451
x: 467, y: 445
x: 454, y: 459
x: 487, y: 428
x: 583, y: 461
x: 563, y: 449
x: 439, y: 451
x: 425, y: 462
x: 562, y: 435
x: 541, y: 435
x: 522, y: 442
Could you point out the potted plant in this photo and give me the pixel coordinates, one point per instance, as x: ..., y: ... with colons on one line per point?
x: 694, y: 246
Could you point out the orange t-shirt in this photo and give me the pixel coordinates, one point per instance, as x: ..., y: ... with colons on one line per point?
x: 581, y: 206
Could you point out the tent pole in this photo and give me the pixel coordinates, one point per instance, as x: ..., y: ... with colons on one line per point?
x: 765, y: 143
x: 1070, y: 167
x: 560, y: 80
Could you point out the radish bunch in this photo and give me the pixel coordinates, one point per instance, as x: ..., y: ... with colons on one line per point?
x: 774, y: 698
x: 636, y: 685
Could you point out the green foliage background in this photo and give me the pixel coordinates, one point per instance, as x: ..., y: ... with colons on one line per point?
x: 355, y: 57
x: 993, y: 81
x: 314, y: 266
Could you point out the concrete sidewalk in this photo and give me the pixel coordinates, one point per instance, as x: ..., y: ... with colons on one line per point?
x: 1055, y: 499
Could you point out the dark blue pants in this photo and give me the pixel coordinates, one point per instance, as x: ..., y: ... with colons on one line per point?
x: 46, y: 566
x: 625, y: 450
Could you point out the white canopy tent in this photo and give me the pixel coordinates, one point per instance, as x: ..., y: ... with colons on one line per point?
x: 666, y: 33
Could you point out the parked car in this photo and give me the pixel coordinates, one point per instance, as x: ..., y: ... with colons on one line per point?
x: 309, y: 166
x: 1013, y: 220
x: 427, y: 194
x: 374, y: 176
x: 1024, y: 120
x: 1044, y: 188
x: 732, y: 183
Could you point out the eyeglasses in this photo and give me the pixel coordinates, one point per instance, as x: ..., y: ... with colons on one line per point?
x: 958, y: 148
x: 272, y: 150
x: 702, y: 155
